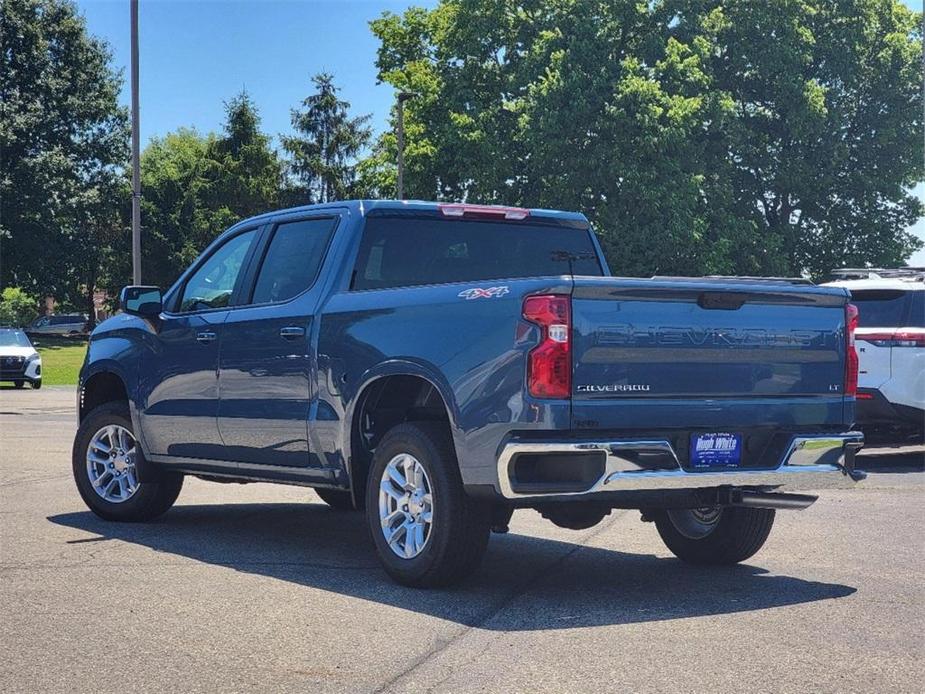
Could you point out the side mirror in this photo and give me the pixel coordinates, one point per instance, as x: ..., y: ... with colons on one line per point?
x: 146, y: 302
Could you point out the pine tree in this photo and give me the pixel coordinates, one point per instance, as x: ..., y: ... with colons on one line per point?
x: 327, y: 141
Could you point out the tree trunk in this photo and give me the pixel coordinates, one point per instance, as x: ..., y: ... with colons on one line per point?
x: 91, y: 306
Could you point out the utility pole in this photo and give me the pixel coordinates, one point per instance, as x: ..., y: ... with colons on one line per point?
x: 136, y: 163
x: 402, y: 98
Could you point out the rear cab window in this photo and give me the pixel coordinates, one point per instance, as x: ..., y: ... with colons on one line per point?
x: 418, y: 250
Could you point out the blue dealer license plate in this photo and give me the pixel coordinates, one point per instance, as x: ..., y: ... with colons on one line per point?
x: 716, y: 450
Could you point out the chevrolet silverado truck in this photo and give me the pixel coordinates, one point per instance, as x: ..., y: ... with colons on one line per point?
x: 441, y: 365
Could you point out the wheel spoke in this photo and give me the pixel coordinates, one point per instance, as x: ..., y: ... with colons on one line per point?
x: 388, y: 488
x: 107, y: 490
x: 411, y: 545
x: 395, y: 535
x: 98, y: 482
x: 398, y: 479
x: 389, y: 520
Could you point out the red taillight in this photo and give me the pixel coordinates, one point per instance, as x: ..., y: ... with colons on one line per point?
x: 549, y: 364
x: 898, y: 338
x: 851, y: 354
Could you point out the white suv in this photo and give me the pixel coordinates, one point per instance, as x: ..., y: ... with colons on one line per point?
x: 890, y: 341
x: 19, y: 362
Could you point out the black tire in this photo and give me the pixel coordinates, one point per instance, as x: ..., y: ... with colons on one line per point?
x: 461, y: 525
x: 152, y: 499
x: 737, y: 535
x: 336, y: 499
x: 18, y: 384
x: 36, y: 384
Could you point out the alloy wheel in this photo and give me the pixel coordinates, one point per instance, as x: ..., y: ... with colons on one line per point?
x: 405, y: 506
x: 111, y: 463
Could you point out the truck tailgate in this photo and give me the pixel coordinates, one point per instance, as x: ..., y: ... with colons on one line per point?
x: 651, y: 354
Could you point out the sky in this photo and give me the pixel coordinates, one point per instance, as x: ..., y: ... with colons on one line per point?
x: 195, y: 55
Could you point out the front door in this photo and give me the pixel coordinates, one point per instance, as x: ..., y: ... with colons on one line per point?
x: 266, y: 361
x: 180, y: 417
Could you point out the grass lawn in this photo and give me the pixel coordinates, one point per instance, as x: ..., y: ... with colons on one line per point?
x: 61, y: 359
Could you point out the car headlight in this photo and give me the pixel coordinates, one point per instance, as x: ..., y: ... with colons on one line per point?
x: 35, y: 358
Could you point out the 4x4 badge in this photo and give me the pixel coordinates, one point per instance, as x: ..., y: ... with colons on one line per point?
x: 479, y: 293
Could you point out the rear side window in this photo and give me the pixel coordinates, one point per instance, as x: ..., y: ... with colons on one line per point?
x: 917, y: 310
x: 407, y: 252
x: 292, y: 259
x: 881, y: 308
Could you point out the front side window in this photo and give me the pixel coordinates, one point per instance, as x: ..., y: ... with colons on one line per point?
x: 406, y: 252
x: 212, y: 284
x: 292, y: 259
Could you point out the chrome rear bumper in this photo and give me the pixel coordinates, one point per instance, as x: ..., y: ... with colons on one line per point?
x: 810, y: 462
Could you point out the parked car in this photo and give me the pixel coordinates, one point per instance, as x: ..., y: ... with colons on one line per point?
x: 891, y: 347
x: 19, y: 362
x: 71, y: 324
x: 442, y: 365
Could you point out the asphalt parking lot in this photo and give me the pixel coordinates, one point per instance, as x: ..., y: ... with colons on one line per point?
x: 261, y: 587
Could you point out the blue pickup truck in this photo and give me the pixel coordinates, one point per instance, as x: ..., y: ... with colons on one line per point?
x: 442, y: 365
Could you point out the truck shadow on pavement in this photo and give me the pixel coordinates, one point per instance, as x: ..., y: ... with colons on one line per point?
x: 526, y: 583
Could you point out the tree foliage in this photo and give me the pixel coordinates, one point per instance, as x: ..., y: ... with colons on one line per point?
x: 195, y: 186
x: 17, y: 308
x: 64, y: 141
x: 701, y: 136
x: 326, y: 143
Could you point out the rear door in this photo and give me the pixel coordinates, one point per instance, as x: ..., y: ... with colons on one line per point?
x: 266, y: 362
x: 880, y: 313
x: 652, y: 354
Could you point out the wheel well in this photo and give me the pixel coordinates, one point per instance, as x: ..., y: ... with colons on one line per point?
x: 384, y: 404
x: 101, y: 388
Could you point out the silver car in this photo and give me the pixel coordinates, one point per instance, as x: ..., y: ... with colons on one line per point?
x: 65, y: 324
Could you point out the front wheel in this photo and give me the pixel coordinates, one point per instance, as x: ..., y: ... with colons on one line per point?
x: 714, y: 535
x: 106, y: 461
x: 36, y: 384
x: 427, y: 531
x: 18, y: 384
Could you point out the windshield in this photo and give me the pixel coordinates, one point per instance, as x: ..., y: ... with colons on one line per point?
x: 14, y: 338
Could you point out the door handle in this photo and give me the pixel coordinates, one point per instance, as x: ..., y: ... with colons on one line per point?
x: 205, y: 337
x: 291, y: 332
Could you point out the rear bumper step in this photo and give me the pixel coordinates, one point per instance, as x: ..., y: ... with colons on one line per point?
x: 824, y: 461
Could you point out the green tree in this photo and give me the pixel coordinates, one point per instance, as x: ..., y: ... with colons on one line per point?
x: 326, y: 142
x: 64, y: 143
x: 245, y: 173
x: 195, y: 186
x: 17, y: 308
x: 694, y: 142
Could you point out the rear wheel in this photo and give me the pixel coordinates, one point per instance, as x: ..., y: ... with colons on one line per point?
x: 336, y: 499
x: 714, y: 535
x: 427, y: 531
x: 107, y: 461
